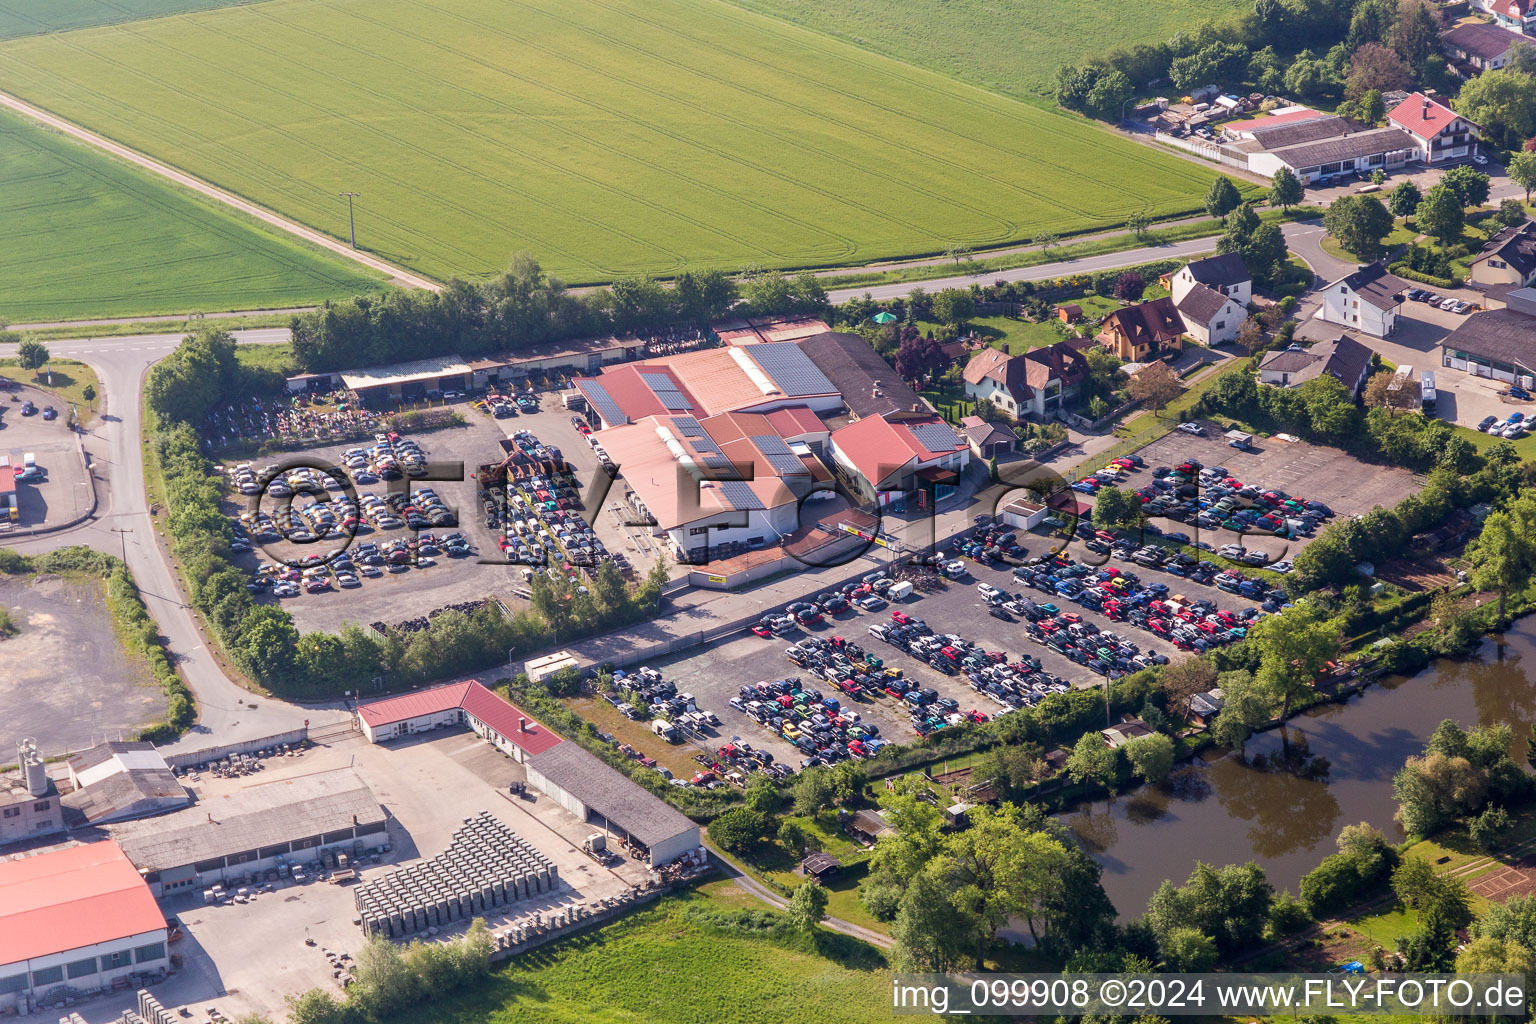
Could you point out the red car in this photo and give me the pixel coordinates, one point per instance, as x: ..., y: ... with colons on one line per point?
x: 901, y: 617
x: 762, y: 631
x: 1071, y: 618
x: 976, y: 716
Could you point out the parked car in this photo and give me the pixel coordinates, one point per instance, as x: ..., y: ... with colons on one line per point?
x: 50, y: 413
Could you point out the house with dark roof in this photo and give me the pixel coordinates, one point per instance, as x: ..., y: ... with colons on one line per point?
x: 1344, y: 359
x: 1506, y: 262
x: 1479, y: 45
x: 1144, y: 332
x: 1037, y: 383
x: 1210, y: 317
x: 1439, y: 133
x: 1499, y: 344
x: 870, y: 386
x: 1366, y: 300
x: 987, y: 440
x: 1226, y: 274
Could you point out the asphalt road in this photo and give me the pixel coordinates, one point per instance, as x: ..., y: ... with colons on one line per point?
x: 122, y: 526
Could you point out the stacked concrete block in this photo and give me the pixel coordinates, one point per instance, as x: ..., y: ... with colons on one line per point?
x: 485, y: 867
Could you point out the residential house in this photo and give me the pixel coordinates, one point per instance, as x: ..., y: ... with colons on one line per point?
x: 1037, y: 383
x: 1366, y: 300
x: 1439, y: 133
x: 1129, y: 729
x: 1210, y: 317
x: 987, y: 440
x: 1141, y: 333
x: 1515, y: 15
x: 1499, y: 344
x: 1204, y: 707
x: 1225, y: 274
x: 1479, y: 45
x: 1345, y: 360
x: 1506, y: 263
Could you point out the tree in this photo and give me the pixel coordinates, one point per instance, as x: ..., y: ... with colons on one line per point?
x: 1285, y: 189
x: 1503, y: 102
x: 1250, y: 336
x: 953, y: 306
x: 1307, y: 76
x: 1188, y: 949
x: 31, y: 354
x: 813, y: 791
x: 807, y: 906
x: 1229, y: 904
x: 1139, y: 223
x: 1404, y: 201
x: 1493, y: 956
x: 1093, y: 760
x: 1372, y: 108
x: 958, y: 252
x: 930, y: 932
x: 1522, y: 171
x: 1511, y: 213
x: 1416, y: 32
x: 1109, y: 95
x: 1370, y: 23
x: 1155, y: 385
x: 1505, y: 553
x: 1264, y: 254
x: 1113, y: 507
x: 1242, y: 709
x: 1151, y: 757
x: 737, y: 829
x: 1440, y: 214
x: 1469, y: 183
x: 1378, y: 393
x: 1129, y: 286
x: 1490, y: 829
x: 1358, y: 223
x: 1222, y: 198
x: 920, y: 356
x: 317, y: 1007
x: 1293, y: 647
x: 1182, y: 680
x: 89, y: 394
x: 1047, y: 241
x: 1375, y: 68
x: 1514, y: 920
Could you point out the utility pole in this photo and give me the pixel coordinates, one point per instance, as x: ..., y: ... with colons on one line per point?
x: 123, y: 535
x: 351, y: 222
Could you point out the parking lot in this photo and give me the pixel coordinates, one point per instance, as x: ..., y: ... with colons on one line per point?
x: 62, y: 492
x: 418, y: 586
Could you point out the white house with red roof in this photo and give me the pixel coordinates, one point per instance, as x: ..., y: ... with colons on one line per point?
x: 1516, y: 15
x: 901, y: 453
x: 1441, y: 134
x: 505, y: 726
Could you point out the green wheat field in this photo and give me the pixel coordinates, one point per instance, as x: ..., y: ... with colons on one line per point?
x: 608, y: 137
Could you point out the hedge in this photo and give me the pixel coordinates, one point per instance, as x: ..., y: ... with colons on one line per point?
x: 1403, y: 270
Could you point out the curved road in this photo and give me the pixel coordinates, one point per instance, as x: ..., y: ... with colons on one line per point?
x: 226, y: 712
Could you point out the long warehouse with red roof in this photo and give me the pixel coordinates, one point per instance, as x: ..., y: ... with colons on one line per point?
x: 80, y: 917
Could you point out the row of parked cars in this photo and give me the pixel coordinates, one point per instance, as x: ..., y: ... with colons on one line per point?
x: 317, y: 573
x: 1011, y: 684
x: 1515, y: 426
x: 1440, y: 302
x: 872, y: 593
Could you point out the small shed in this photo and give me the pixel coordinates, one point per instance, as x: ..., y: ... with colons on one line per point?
x: 821, y: 866
x: 1069, y: 312
x: 958, y: 815
x: 1204, y: 707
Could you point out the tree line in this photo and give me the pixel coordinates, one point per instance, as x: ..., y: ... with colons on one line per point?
x: 524, y: 307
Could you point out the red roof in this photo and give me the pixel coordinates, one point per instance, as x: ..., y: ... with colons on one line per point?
x: 70, y: 898
x: 507, y: 719
x: 630, y: 387
x: 795, y: 420
x: 1422, y: 116
x: 879, y: 449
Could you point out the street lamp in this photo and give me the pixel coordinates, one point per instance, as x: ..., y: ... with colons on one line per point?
x: 351, y: 223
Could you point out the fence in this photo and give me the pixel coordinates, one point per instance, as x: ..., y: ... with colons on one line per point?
x: 1206, y: 150
x: 208, y: 754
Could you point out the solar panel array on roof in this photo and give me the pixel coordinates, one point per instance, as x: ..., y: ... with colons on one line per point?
x: 739, y: 495
x: 791, y: 369
x: 936, y: 437
x: 688, y: 426
x: 607, y: 408
x: 784, y: 461
x: 666, y: 391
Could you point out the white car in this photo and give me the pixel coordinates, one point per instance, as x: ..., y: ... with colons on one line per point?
x: 1480, y: 159
x: 1449, y: 305
x: 1192, y: 428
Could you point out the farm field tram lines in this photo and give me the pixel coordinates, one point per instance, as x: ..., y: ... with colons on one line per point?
x: 607, y: 138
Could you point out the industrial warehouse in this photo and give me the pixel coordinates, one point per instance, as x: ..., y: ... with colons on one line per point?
x: 79, y: 918
x: 252, y: 830
x: 576, y: 779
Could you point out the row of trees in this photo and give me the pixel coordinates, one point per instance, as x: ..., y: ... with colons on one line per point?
x: 525, y: 307
x: 389, y: 979
x: 1307, y: 48
x: 1359, y: 223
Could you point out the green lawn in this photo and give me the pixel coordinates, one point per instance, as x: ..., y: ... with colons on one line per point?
x: 1010, y: 47
x: 83, y: 235
x: 608, y: 137
x: 666, y: 964
x: 35, y: 17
